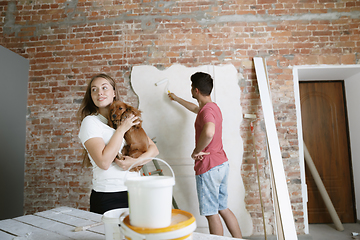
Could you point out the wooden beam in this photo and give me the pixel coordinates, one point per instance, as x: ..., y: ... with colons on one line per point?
x: 285, y: 220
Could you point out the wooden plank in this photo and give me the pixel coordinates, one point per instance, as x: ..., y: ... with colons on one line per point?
x: 58, y: 224
x: 65, y: 218
x: 74, y: 217
x: 286, y: 216
x: 6, y: 236
x: 278, y: 222
x: 26, y: 231
x: 79, y: 213
x: 57, y: 227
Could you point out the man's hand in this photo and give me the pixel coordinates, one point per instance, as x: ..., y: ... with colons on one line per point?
x: 188, y: 105
x: 172, y: 96
x: 198, y: 156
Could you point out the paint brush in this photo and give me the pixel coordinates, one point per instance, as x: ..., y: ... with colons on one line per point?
x: 83, y: 228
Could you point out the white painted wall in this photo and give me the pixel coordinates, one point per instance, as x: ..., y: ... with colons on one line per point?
x: 352, y: 88
x: 173, y: 129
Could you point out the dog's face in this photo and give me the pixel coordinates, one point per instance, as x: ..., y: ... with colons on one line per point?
x: 119, y: 111
x: 117, y: 108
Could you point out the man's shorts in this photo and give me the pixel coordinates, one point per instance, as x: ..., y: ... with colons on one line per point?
x: 212, y: 189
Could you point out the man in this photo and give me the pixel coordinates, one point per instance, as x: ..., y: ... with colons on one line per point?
x: 211, y: 163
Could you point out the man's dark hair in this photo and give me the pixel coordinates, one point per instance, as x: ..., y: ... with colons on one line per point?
x: 203, y: 82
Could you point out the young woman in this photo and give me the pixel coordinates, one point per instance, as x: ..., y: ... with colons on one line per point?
x: 102, y: 144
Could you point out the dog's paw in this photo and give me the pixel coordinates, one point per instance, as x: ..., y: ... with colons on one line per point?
x: 136, y: 169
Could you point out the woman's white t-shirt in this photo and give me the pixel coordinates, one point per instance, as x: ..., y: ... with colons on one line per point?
x: 112, y: 179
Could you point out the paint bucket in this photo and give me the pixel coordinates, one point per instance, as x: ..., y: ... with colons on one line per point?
x: 150, y: 199
x: 111, y: 220
x: 182, y: 226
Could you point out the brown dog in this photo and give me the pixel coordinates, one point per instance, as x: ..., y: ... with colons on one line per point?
x: 136, y: 139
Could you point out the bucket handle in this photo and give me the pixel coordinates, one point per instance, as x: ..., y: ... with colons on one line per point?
x: 153, y: 158
x: 130, y: 233
x: 125, y: 230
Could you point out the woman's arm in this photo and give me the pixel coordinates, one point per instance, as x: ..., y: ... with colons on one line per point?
x: 104, y: 155
x: 146, y: 157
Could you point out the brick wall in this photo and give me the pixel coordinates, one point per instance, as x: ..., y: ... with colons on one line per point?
x: 67, y: 42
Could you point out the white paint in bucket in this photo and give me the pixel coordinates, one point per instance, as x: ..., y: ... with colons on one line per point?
x: 150, y: 199
x: 111, y: 220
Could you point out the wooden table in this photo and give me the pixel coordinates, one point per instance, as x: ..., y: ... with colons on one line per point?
x: 59, y: 224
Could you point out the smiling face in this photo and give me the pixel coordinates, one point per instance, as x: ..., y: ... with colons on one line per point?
x: 102, y: 93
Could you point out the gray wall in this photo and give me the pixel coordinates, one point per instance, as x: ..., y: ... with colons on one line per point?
x: 14, y: 71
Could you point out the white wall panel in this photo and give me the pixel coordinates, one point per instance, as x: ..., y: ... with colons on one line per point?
x: 172, y: 126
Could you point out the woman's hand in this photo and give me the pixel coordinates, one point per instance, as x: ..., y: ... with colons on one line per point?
x: 130, y: 121
x: 104, y: 155
x: 126, y: 163
x: 145, y: 157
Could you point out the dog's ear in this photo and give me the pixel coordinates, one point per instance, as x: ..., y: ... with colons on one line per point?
x: 136, y: 111
x: 111, y: 109
x: 127, y: 106
x: 111, y: 124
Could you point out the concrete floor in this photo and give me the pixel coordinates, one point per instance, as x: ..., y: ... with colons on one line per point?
x: 323, y: 232
x: 329, y: 232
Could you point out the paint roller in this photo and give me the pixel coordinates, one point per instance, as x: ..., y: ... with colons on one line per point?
x: 162, y: 81
x: 167, y: 85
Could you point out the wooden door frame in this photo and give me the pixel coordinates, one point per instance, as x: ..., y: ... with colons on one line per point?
x: 319, y: 73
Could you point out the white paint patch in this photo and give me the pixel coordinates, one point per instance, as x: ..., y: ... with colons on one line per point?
x: 172, y: 126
